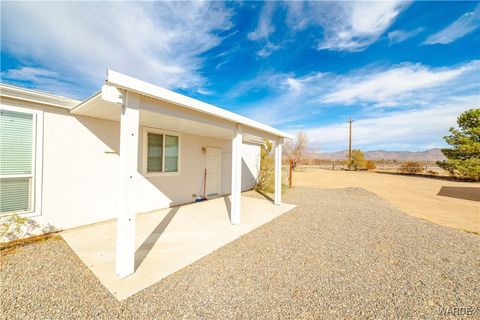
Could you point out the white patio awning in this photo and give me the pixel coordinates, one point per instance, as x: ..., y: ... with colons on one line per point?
x: 171, y: 111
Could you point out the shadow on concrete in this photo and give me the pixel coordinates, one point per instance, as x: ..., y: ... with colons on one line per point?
x: 148, y: 244
x: 265, y: 195
x: 465, y: 193
x: 228, y: 204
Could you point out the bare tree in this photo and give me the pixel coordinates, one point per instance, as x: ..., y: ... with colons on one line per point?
x: 297, y: 149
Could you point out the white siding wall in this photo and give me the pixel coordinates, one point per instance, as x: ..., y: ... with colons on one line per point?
x: 162, y: 191
x: 250, y: 165
x: 80, y: 170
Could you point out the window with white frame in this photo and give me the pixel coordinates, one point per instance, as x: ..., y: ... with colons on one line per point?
x: 162, y: 152
x: 17, y: 161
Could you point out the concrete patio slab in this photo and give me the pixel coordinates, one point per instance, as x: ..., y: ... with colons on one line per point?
x: 167, y: 240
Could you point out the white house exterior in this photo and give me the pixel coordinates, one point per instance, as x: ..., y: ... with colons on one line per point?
x: 132, y: 147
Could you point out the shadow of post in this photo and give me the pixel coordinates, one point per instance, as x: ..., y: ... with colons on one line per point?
x: 148, y: 244
x: 265, y: 196
x: 228, y: 204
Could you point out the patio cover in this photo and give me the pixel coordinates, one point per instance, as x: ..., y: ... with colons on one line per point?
x: 137, y: 103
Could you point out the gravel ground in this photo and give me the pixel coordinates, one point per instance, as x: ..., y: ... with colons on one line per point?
x: 341, y: 253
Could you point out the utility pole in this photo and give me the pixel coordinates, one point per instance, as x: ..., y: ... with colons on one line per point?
x: 350, y: 143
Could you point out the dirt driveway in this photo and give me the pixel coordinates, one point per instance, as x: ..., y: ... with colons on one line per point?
x: 449, y: 203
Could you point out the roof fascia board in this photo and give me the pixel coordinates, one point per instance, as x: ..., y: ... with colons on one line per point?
x: 18, y: 93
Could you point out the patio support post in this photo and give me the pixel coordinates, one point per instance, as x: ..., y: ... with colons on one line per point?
x: 129, y: 128
x: 278, y: 171
x: 236, y: 174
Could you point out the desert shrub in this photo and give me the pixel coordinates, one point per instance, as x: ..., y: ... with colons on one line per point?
x: 432, y: 172
x: 266, y: 176
x: 11, y: 227
x: 370, y: 165
x: 411, y: 167
x: 358, y: 160
x: 15, y: 227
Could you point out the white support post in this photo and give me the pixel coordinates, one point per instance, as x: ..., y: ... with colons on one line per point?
x: 236, y: 174
x: 278, y: 171
x: 129, y: 128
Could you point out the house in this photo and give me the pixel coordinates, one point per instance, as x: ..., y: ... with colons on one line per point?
x: 131, y: 147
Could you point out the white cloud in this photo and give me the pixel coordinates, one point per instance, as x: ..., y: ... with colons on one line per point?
x: 159, y: 41
x: 29, y: 74
x: 41, y: 79
x: 225, y: 56
x: 466, y: 24
x: 402, y: 35
x: 389, y: 86
x: 264, y: 30
x: 418, y: 129
x: 407, y: 106
x: 268, y: 49
x: 264, y: 27
x: 347, y: 26
x: 295, y: 85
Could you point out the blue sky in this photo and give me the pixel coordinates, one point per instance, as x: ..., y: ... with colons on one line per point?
x: 402, y: 70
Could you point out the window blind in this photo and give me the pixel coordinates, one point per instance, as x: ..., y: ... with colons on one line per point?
x: 15, y: 195
x: 16, y: 160
x: 16, y: 146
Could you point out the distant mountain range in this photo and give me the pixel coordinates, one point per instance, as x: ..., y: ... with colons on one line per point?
x: 427, y: 155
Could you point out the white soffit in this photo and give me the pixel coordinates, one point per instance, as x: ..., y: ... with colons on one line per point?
x: 97, y: 107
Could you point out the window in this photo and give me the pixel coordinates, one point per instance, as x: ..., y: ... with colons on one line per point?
x: 155, y: 152
x: 171, y: 153
x: 18, y: 161
x: 162, y: 152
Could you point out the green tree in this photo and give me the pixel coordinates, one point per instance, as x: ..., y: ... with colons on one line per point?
x: 358, y: 160
x: 463, y: 158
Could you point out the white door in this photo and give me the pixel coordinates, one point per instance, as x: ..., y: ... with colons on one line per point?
x: 214, y: 164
